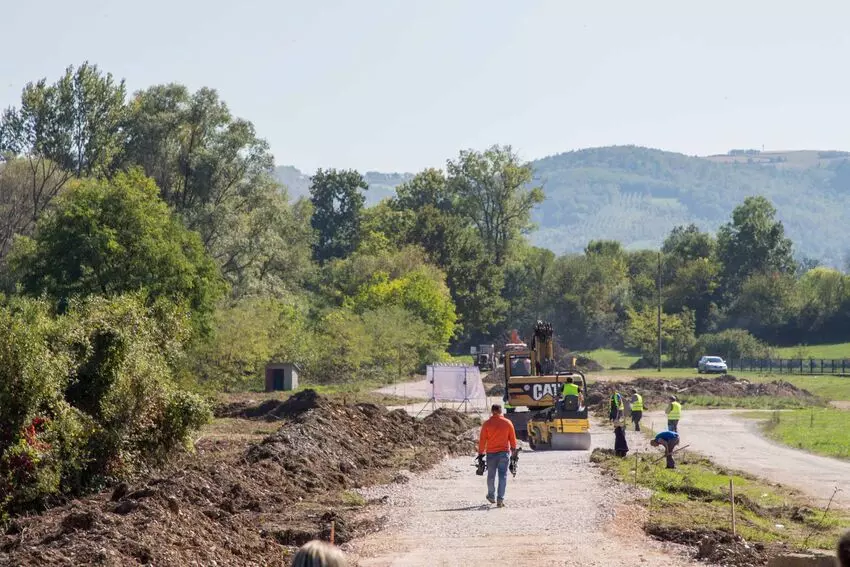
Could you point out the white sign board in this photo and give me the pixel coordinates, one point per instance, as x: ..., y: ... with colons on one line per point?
x: 457, y: 383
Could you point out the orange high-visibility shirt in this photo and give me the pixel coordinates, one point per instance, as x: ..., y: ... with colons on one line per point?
x: 497, y: 435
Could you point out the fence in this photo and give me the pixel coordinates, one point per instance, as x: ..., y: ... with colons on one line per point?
x: 791, y: 365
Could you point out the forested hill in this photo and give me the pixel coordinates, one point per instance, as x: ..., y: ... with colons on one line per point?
x: 636, y: 195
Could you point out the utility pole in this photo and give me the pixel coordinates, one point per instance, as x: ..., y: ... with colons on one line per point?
x: 658, y: 285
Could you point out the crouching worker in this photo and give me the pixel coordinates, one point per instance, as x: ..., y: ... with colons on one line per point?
x: 668, y: 440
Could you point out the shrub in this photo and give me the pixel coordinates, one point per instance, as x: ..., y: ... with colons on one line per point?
x: 87, y: 397
x: 732, y: 344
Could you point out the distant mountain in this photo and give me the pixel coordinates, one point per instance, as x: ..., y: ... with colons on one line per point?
x: 637, y: 195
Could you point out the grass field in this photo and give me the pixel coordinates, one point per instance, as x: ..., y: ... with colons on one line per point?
x: 611, y: 358
x: 834, y: 351
x: 695, y: 496
x: 822, y: 431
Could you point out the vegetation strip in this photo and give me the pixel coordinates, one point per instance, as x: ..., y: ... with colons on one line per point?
x: 691, y: 505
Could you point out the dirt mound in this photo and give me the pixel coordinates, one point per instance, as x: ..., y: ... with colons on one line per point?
x: 656, y: 392
x: 272, y: 410
x: 718, y: 547
x: 245, y: 507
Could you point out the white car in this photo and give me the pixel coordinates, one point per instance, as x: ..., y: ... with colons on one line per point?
x: 711, y: 364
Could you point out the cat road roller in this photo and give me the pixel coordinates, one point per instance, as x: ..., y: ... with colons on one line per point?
x: 564, y: 426
x: 533, y: 383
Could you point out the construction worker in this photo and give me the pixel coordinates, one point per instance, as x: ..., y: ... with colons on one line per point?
x: 637, y: 409
x: 571, y: 389
x: 498, y: 442
x: 674, y: 414
x: 616, y: 410
x: 668, y: 440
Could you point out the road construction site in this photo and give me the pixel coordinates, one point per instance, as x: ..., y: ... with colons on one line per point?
x: 396, y: 486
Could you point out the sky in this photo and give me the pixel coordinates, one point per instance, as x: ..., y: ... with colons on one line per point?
x: 400, y: 85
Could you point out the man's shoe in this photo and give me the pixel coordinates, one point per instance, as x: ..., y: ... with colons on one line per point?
x: 491, y: 500
x: 501, y: 504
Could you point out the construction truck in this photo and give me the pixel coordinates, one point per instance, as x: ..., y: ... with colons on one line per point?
x: 486, y: 358
x: 533, y: 382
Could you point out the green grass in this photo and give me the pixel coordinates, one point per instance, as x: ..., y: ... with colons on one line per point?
x: 611, y: 358
x: 695, y: 496
x: 824, y: 431
x: 753, y: 402
x: 460, y: 358
x: 833, y: 351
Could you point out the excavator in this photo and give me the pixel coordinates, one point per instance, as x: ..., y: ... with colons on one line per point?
x: 532, y: 381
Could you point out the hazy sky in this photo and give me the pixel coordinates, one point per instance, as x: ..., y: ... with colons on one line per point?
x: 404, y: 84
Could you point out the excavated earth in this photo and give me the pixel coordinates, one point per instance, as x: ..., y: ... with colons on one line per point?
x: 250, y: 506
x: 656, y: 392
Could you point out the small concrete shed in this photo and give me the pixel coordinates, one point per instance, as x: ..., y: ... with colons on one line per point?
x: 282, y: 376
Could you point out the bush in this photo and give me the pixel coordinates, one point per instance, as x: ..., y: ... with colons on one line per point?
x: 87, y: 396
x: 731, y: 344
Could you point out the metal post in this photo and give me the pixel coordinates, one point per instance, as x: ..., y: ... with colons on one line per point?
x: 658, y: 285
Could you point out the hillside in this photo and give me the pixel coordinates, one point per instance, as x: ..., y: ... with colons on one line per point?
x: 636, y: 195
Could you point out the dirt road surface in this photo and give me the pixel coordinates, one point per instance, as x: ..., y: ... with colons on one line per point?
x: 736, y: 442
x: 560, y: 511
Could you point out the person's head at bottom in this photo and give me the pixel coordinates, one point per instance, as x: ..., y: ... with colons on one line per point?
x: 843, y: 550
x: 317, y: 553
x: 496, y: 409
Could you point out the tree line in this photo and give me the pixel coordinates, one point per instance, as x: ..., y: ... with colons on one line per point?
x: 149, y: 258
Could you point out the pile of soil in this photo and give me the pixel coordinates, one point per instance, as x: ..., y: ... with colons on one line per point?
x: 656, y: 392
x: 247, y: 507
x: 718, y: 547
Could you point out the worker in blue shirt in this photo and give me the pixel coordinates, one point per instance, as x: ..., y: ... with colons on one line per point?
x: 668, y: 440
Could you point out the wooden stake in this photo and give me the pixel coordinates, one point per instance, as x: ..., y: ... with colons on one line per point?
x: 333, y: 529
x: 636, y: 469
x: 732, y: 498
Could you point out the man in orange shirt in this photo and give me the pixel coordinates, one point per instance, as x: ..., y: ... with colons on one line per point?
x: 498, y: 442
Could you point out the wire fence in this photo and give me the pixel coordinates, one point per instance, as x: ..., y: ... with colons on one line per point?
x: 811, y: 366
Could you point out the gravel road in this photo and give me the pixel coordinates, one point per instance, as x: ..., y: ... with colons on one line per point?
x: 736, y: 442
x: 560, y: 511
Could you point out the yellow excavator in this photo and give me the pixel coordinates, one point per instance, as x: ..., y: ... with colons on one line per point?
x: 531, y: 381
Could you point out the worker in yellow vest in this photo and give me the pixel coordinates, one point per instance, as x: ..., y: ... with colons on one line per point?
x: 571, y: 389
x: 616, y: 408
x: 674, y: 414
x: 637, y: 409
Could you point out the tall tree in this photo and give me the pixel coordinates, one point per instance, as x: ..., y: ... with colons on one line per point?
x: 115, y: 237
x: 217, y: 174
x: 432, y: 220
x: 753, y: 242
x: 76, y: 122
x: 27, y: 187
x: 338, y: 201
x: 492, y: 190
x: 692, y: 274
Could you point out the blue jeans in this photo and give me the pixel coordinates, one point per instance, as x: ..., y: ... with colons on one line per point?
x: 497, y: 462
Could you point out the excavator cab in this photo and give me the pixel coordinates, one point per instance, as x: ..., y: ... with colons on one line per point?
x: 564, y: 426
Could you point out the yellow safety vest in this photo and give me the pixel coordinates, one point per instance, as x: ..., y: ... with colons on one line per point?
x: 638, y: 405
x: 570, y: 390
x: 675, y: 411
x: 619, y: 399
